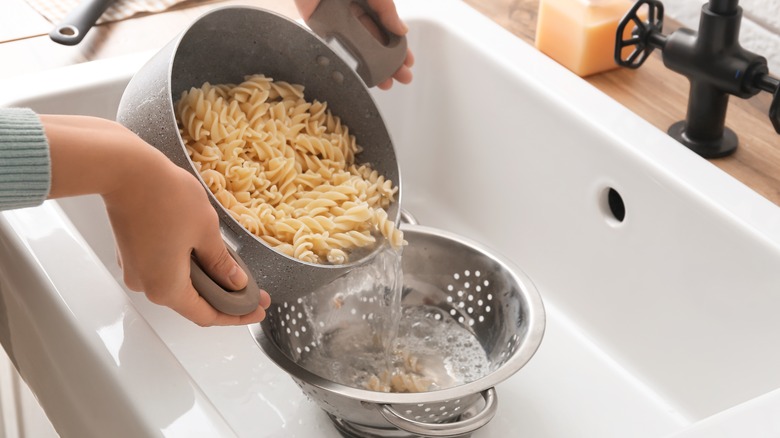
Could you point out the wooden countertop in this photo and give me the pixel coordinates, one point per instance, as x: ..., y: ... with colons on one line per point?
x: 655, y: 93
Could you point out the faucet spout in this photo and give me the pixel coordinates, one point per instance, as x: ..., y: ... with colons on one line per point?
x: 724, y: 7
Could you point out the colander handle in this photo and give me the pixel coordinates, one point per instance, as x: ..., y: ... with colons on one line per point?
x: 455, y: 429
x: 376, y: 61
x: 240, y: 302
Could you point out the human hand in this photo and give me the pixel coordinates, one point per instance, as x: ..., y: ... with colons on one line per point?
x: 159, y: 213
x: 388, y: 15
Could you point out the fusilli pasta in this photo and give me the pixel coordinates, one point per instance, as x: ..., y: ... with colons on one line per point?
x: 406, y: 378
x: 285, y: 169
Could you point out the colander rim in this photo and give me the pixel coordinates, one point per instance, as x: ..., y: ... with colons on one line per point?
x: 535, y: 319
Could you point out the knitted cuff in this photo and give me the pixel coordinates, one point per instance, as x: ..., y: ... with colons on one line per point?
x: 25, y: 167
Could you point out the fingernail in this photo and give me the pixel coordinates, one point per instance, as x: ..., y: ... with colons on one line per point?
x: 238, y: 277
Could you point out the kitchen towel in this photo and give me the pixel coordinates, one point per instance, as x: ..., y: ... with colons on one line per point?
x: 56, y: 10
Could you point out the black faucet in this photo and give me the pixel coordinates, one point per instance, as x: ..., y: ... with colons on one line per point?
x: 714, y: 63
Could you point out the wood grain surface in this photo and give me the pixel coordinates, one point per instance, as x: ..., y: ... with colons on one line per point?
x: 660, y: 96
x: 653, y: 92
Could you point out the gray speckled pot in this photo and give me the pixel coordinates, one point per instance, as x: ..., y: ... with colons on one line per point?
x: 223, y: 46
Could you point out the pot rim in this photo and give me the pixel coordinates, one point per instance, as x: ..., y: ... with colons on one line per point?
x: 232, y: 229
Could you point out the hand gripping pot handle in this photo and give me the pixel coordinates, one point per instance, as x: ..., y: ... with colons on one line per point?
x: 454, y: 429
x: 376, y: 61
x: 240, y: 302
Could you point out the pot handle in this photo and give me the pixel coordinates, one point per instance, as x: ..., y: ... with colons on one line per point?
x: 79, y: 21
x: 240, y: 302
x: 455, y: 429
x: 376, y: 61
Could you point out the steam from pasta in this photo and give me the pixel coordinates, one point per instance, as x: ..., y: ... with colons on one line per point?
x: 285, y: 169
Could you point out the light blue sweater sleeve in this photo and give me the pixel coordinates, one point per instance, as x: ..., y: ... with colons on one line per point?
x: 25, y: 166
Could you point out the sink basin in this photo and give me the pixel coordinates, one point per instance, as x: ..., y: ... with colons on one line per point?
x: 659, y: 272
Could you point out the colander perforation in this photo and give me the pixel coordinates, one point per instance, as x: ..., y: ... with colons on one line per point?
x: 469, y: 297
x: 451, y: 281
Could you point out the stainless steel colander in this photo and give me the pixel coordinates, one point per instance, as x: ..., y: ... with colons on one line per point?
x: 460, y: 280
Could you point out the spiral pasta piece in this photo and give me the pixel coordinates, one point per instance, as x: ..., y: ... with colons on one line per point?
x: 285, y: 169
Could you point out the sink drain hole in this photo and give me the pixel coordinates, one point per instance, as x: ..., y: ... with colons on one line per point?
x: 616, y: 205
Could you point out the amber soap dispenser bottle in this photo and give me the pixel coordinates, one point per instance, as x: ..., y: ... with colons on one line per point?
x: 580, y: 34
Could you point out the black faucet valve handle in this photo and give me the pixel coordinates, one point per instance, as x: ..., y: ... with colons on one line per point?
x: 645, y: 36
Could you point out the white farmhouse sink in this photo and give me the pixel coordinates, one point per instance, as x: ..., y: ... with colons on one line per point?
x: 662, y: 324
